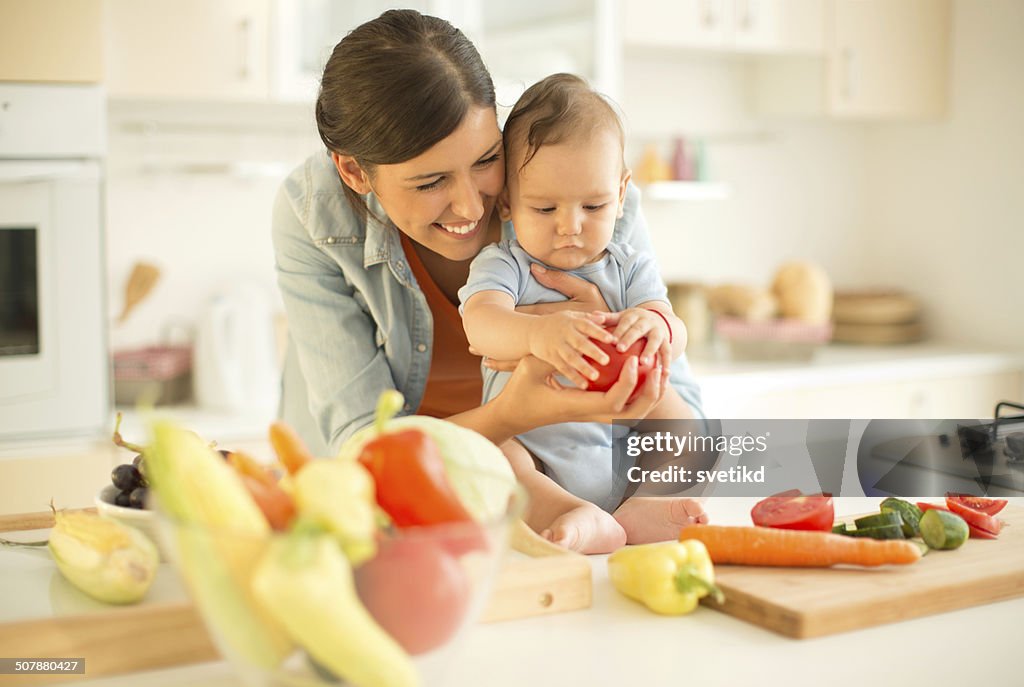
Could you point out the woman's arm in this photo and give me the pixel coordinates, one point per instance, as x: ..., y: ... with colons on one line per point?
x: 529, y: 401
x: 343, y: 368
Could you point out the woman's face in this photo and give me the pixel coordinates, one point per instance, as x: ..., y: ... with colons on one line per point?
x: 443, y: 199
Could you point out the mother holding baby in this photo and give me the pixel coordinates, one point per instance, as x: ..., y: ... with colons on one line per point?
x: 373, y: 239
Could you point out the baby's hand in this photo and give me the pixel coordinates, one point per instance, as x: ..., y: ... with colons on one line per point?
x: 563, y: 338
x: 633, y: 324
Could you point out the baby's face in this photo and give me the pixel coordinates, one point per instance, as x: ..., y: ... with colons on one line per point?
x: 564, y: 203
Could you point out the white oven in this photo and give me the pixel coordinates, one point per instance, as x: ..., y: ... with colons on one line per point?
x: 54, y: 366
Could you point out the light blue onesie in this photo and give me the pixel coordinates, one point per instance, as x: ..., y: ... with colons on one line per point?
x: 576, y: 455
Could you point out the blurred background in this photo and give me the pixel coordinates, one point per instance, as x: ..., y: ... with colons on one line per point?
x: 875, y: 143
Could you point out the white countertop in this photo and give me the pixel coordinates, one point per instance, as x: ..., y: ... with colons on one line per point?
x: 619, y: 642
x: 838, y: 363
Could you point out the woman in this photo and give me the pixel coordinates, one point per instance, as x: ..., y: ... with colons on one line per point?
x: 374, y: 239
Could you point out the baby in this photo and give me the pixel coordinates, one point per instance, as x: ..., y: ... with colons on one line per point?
x: 566, y: 182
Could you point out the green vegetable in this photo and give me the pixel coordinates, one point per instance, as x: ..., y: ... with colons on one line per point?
x: 305, y: 582
x: 108, y: 561
x: 218, y: 534
x: 840, y: 528
x: 878, y: 532
x: 910, y: 514
x: 465, y: 454
x: 943, y: 530
x: 879, y: 520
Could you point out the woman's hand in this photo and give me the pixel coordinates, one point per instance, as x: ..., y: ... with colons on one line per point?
x: 582, y: 294
x: 535, y: 399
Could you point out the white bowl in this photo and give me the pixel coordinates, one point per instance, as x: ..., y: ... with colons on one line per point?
x: 142, y: 520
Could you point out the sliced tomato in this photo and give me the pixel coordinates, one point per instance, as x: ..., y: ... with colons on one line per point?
x: 976, y: 532
x: 982, y: 521
x: 812, y: 512
x: 980, y: 534
x: 978, y: 503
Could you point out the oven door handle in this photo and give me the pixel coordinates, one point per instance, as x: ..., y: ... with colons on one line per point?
x: 42, y: 170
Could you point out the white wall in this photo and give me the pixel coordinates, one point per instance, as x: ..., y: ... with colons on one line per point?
x: 190, y: 189
x: 946, y: 200
x: 935, y: 208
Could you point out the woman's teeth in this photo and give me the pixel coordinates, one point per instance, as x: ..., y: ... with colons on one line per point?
x: 463, y: 229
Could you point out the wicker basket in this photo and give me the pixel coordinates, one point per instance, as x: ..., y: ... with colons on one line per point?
x: 161, y: 375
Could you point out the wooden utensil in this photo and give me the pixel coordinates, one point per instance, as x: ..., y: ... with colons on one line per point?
x: 805, y: 602
x: 141, y: 281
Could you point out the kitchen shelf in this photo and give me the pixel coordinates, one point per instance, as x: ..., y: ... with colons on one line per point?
x: 686, y: 190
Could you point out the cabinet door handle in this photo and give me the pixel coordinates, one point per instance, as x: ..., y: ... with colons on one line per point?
x: 244, y: 48
x: 748, y: 17
x: 849, y: 78
x: 707, y: 14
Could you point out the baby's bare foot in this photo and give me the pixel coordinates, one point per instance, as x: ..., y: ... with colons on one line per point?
x: 651, y: 519
x: 586, y: 529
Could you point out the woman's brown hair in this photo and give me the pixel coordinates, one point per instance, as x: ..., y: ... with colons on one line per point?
x: 395, y: 86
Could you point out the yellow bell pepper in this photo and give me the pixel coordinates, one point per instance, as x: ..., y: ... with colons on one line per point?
x: 668, y: 577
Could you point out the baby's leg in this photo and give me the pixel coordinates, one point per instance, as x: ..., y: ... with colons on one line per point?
x: 559, y: 516
x: 649, y: 519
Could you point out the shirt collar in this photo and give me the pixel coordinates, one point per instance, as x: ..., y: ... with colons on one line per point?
x: 382, y: 240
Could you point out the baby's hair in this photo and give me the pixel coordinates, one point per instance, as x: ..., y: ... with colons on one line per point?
x: 557, y: 109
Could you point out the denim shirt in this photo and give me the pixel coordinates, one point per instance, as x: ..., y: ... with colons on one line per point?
x: 358, y: 322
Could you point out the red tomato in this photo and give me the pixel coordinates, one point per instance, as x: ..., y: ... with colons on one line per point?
x: 813, y: 512
x: 976, y: 533
x: 416, y: 591
x: 609, y: 374
x: 982, y: 521
x: 978, y: 503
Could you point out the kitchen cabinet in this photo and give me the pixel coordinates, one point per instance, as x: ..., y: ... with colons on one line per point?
x: 51, y: 41
x: 883, y: 60
x: 188, y: 49
x: 755, y: 26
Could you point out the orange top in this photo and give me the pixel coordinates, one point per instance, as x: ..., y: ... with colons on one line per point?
x: 454, y: 384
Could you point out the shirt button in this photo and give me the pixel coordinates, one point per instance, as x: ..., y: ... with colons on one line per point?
x: 421, y: 348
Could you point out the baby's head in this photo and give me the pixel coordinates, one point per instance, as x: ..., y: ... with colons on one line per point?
x: 566, y: 178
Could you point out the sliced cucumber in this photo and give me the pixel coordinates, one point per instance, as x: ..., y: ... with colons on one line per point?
x: 882, y: 519
x: 943, y: 530
x: 840, y: 528
x: 890, y: 531
x: 910, y: 513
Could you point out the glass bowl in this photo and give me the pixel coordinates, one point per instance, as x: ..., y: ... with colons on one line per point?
x: 288, y: 608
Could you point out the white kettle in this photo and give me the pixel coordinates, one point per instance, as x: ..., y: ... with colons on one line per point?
x: 234, y: 366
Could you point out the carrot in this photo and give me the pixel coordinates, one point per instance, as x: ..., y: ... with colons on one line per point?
x: 797, y: 548
x: 244, y: 464
x: 289, y: 447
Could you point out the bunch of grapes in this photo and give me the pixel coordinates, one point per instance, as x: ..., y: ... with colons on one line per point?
x: 130, y: 480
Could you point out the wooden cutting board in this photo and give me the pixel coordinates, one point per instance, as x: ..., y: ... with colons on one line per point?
x: 804, y: 603
x: 536, y: 578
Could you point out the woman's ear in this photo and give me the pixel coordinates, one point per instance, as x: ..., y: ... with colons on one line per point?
x: 504, y: 206
x: 626, y: 176
x: 351, y: 173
